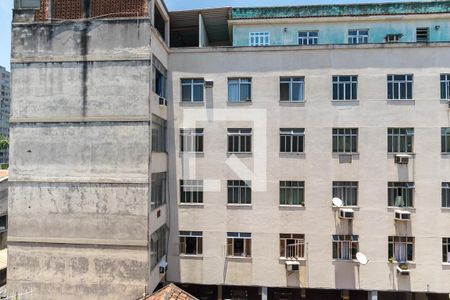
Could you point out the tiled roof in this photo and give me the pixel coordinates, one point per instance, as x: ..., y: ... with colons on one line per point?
x: 369, y: 9
x: 171, y: 292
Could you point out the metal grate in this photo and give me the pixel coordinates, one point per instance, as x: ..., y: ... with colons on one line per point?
x: 64, y: 9
x: 42, y: 13
x: 422, y: 34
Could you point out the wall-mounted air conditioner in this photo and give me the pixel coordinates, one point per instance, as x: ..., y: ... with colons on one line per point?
x: 162, y: 101
x: 346, y: 213
x: 402, y: 159
x: 292, y: 265
x: 401, y: 215
x: 209, y: 84
x: 163, y: 267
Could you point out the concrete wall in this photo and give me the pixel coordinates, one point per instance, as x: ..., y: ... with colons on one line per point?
x: 335, y: 30
x: 373, y: 167
x: 80, y: 163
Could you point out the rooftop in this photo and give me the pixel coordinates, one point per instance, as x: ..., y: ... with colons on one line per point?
x: 171, y: 292
x: 369, y: 9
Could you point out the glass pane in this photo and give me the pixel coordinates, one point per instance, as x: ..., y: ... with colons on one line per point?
x: 245, y: 92
x: 186, y: 93
x: 284, y: 91
x: 297, y: 91
x: 198, y: 92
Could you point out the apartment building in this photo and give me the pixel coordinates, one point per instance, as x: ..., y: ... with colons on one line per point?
x: 242, y: 153
x: 5, y: 103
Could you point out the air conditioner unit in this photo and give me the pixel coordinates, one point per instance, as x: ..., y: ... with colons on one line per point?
x: 448, y: 104
x: 163, y: 267
x: 162, y: 101
x: 346, y: 213
x: 292, y: 265
x: 402, y: 159
x: 393, y: 38
x: 401, y: 215
x: 209, y: 84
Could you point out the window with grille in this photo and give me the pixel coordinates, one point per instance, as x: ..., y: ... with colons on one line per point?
x: 308, y: 37
x: 239, y: 90
x: 446, y: 194
x: 159, y: 134
x: 292, y: 193
x: 445, y: 140
x: 191, y: 140
x: 345, y: 247
x: 422, y: 34
x: 347, y: 191
x: 292, y: 89
x: 158, y: 246
x: 445, y: 86
x: 292, y: 140
x: 159, y: 190
x: 192, y: 90
x: 239, y: 244
x: 358, y: 36
x: 292, y: 246
x: 446, y: 250
x: 345, y: 87
x: 401, y: 248
x: 345, y: 140
x: 191, y: 242
x: 400, y: 140
x: 239, y: 192
x: 401, y: 194
x: 239, y: 140
x: 259, y: 38
x: 400, y: 87
x: 191, y: 191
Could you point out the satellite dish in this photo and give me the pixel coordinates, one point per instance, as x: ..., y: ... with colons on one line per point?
x: 337, y: 202
x: 361, y: 258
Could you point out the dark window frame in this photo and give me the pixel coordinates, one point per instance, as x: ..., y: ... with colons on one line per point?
x: 239, y: 244
x: 239, y: 192
x: 239, y: 140
x: 191, y: 243
x: 400, y: 140
x: 345, y: 140
x: 406, y: 246
x: 290, y: 190
x: 191, y: 191
x: 345, y: 247
x: 292, y: 140
x: 405, y: 190
x: 191, y: 140
x: 347, y: 191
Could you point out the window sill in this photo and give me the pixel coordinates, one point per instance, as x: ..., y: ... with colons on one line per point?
x: 192, y: 103
x: 445, y: 209
x: 356, y: 208
x: 239, y: 258
x: 201, y: 205
x: 284, y: 259
x: 292, y: 103
x: 231, y: 205
x: 345, y: 101
x: 401, y: 101
x: 240, y: 103
x: 446, y: 264
x: 393, y: 154
x: 191, y: 256
x: 394, y: 208
x: 409, y: 263
x: 192, y: 154
x: 346, y: 261
x: 291, y: 154
x: 292, y: 206
x: 240, y: 153
x: 346, y: 153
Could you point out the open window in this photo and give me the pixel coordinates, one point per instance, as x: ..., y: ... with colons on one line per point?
x: 159, y: 22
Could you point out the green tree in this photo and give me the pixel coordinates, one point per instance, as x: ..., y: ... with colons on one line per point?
x: 4, y: 143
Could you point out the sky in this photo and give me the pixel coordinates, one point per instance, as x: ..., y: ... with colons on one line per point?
x: 6, y: 7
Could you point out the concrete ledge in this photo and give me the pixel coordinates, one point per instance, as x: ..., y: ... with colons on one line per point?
x: 46, y: 240
x: 80, y: 58
x: 92, y: 180
x: 80, y: 119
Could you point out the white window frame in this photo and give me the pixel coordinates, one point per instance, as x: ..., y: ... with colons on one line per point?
x: 445, y: 195
x: 406, y: 189
x: 446, y: 254
x: 197, y: 235
x: 259, y: 38
x: 295, y: 250
x: 359, y: 37
x: 191, y: 140
x: 192, y: 189
x: 344, y: 245
x: 286, y: 190
x: 341, y: 82
x: 310, y: 40
x: 405, y: 135
x: 399, y: 246
x: 240, y: 81
x: 400, y: 84
x: 291, y: 80
x: 288, y: 135
x: 245, y: 236
x: 345, y: 134
x: 445, y: 86
x: 344, y: 190
x: 191, y: 83
x: 240, y: 133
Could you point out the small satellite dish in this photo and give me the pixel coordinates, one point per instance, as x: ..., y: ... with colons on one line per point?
x: 361, y: 258
x: 337, y: 202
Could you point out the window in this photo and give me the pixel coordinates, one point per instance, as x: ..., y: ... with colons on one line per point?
x: 401, y: 248
x: 159, y: 131
x: 445, y: 86
x: 345, y: 140
x: 292, y: 193
x: 308, y: 37
x: 422, y: 35
x: 445, y: 140
x: 259, y: 39
x: 3, y: 223
x: 358, y: 36
x: 345, y: 87
x: 400, y: 87
x: 292, y: 140
x: 239, y: 192
x: 347, y: 191
x: 292, y: 89
x: 191, y: 242
x: 446, y: 250
x: 400, y: 140
x: 191, y: 191
x: 239, y: 244
x: 292, y: 246
x: 159, y: 190
x: 401, y: 194
x: 239, y: 90
x: 192, y: 90
x: 345, y: 247
x: 239, y: 140
x: 191, y: 140
x: 159, y: 78
x: 158, y: 245
x: 446, y: 194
